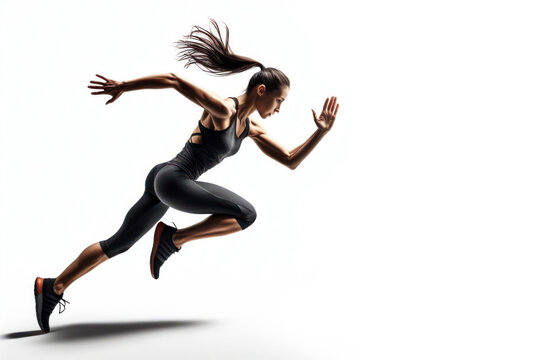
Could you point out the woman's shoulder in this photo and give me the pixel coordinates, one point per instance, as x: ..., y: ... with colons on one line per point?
x: 255, y: 128
x: 219, y: 124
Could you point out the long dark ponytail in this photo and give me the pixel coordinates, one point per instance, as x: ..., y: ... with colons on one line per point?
x: 213, y: 55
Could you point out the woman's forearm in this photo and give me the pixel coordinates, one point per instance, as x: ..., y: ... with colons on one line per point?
x: 299, y: 153
x: 161, y: 81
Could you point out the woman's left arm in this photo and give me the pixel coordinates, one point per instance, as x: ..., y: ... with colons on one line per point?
x: 293, y: 158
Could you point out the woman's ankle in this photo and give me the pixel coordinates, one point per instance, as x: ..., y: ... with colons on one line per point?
x: 58, y: 288
x: 178, y: 239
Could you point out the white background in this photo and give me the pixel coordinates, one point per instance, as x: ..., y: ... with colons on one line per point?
x: 410, y: 232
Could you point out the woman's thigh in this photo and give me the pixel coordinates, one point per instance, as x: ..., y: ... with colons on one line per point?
x: 224, y: 193
x: 199, y: 197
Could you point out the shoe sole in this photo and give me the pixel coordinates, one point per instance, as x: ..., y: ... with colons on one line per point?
x: 38, y: 295
x: 157, y: 234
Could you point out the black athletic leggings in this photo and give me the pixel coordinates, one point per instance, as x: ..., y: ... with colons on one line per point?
x: 168, y: 186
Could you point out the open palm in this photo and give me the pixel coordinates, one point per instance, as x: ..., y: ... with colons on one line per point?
x: 109, y: 87
x: 326, y: 119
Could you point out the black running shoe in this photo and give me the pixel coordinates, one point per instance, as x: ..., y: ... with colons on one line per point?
x: 46, y: 300
x: 163, y: 247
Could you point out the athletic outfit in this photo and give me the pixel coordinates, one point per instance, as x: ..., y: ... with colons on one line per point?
x: 170, y: 184
x: 174, y: 184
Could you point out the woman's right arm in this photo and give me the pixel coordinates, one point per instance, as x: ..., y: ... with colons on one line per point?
x: 211, y: 102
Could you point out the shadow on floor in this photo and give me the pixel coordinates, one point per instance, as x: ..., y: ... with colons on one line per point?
x: 22, y: 334
x: 94, y: 331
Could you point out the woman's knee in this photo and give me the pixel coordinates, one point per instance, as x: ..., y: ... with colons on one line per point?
x: 110, y: 249
x: 247, y: 217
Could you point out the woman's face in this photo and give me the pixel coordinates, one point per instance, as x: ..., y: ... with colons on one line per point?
x: 269, y: 103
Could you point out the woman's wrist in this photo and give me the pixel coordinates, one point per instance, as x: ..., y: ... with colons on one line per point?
x: 321, y: 131
x: 123, y: 86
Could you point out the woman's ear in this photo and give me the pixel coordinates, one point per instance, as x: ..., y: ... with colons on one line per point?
x: 261, y: 89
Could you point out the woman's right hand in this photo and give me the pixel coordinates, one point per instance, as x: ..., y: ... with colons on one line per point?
x: 109, y: 87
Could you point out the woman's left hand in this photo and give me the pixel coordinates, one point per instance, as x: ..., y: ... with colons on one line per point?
x: 325, y: 121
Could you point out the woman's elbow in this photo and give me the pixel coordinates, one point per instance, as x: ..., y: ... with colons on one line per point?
x: 171, y: 76
x: 290, y: 163
x: 172, y: 80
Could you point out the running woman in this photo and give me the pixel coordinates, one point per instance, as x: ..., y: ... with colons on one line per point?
x: 224, y: 124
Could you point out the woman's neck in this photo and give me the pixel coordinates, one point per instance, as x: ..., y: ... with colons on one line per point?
x: 246, y: 105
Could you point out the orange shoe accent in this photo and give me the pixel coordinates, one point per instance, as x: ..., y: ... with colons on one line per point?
x: 38, y: 286
x: 157, y: 234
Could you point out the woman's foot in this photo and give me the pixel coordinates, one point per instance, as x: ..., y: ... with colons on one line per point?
x: 163, y: 247
x: 46, y: 300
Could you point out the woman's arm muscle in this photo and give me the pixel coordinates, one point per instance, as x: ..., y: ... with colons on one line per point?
x: 289, y: 158
x: 216, y: 106
x: 267, y: 144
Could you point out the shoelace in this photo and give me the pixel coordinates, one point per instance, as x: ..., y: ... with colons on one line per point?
x: 60, y: 305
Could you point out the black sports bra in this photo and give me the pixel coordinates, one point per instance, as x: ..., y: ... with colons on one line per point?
x: 216, y: 145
